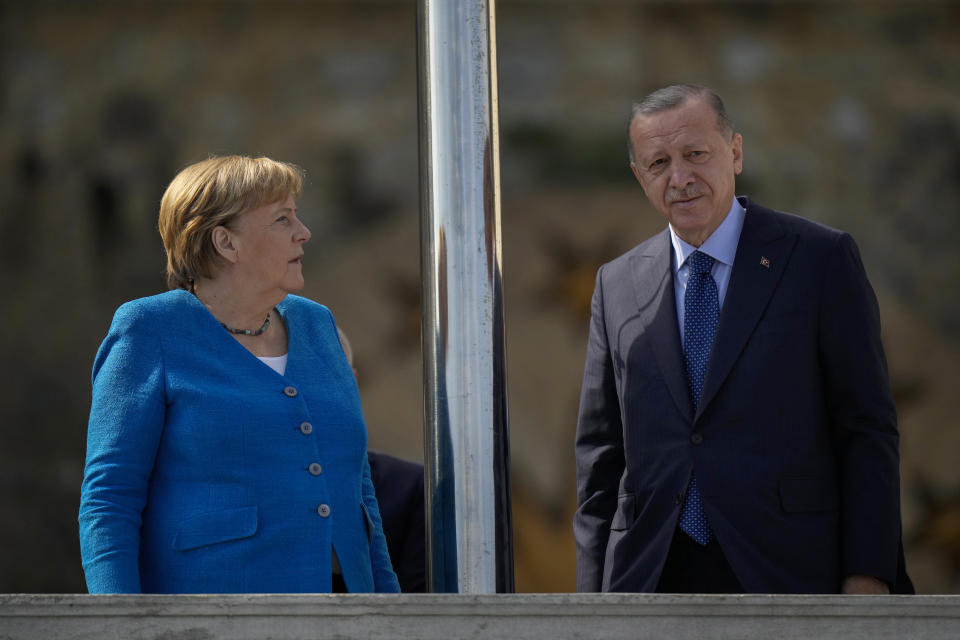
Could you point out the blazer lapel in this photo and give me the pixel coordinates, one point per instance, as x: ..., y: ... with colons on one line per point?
x: 762, y: 255
x: 653, y: 285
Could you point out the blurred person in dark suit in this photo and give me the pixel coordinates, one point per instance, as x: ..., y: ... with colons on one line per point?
x: 399, y: 487
x: 400, y: 494
x: 736, y: 431
x: 226, y: 447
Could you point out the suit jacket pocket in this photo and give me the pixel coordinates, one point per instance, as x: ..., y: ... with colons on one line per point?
x: 800, y: 494
x: 215, y: 527
x: 623, y: 518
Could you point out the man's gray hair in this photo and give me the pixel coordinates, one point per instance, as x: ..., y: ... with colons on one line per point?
x: 674, y: 96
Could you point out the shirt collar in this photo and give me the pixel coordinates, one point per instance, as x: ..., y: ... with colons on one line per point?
x: 722, y: 243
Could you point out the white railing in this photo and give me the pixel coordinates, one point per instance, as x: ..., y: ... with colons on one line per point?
x: 448, y: 617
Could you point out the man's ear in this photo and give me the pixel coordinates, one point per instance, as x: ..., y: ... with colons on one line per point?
x: 223, y: 243
x: 736, y: 145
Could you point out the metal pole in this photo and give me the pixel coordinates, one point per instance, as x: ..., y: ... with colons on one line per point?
x: 469, y: 521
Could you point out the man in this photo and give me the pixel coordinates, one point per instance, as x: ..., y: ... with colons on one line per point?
x: 736, y: 429
x: 399, y: 488
x: 398, y: 485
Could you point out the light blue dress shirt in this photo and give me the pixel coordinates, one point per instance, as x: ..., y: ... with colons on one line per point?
x: 721, y: 246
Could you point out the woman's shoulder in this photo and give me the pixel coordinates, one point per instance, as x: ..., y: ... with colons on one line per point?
x: 304, y: 306
x: 308, y: 318
x: 163, y: 309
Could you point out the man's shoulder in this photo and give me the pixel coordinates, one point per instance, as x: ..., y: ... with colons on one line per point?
x: 395, y: 474
x: 390, y: 465
x: 791, y: 223
x: 651, y: 247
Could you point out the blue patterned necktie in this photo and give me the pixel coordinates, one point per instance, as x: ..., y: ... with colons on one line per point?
x: 701, y: 308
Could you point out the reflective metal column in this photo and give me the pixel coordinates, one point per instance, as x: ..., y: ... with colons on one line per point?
x: 469, y: 522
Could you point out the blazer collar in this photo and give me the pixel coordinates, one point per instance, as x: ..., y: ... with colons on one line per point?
x: 652, y: 275
x: 762, y: 255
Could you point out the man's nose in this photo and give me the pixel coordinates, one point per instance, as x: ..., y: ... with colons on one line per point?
x: 680, y: 175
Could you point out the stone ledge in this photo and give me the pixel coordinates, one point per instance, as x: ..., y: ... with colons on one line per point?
x: 445, y: 617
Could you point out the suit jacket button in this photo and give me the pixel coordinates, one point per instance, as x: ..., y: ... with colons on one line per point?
x: 306, y: 428
x: 323, y: 510
x: 290, y: 391
x: 696, y: 438
x: 315, y: 469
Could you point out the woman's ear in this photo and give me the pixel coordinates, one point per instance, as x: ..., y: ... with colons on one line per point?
x: 223, y: 243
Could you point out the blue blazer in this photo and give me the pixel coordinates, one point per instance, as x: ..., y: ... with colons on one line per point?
x: 794, y: 444
x: 208, y: 472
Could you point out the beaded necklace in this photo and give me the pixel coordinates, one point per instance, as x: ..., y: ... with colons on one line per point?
x: 248, y: 332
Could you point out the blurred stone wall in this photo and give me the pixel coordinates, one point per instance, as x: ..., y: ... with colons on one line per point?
x: 850, y: 114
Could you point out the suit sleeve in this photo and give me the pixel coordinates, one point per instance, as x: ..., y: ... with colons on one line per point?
x: 857, y: 388
x: 126, y: 421
x: 384, y: 579
x: 599, y: 451
x: 414, y: 566
x: 411, y: 563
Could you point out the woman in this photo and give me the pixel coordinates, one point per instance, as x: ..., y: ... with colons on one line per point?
x: 226, y: 449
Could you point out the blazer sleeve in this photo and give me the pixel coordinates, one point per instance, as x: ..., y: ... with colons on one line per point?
x: 126, y: 422
x: 599, y: 451
x: 384, y: 578
x: 861, y: 409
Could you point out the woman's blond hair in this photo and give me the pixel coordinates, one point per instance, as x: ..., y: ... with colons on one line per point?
x: 212, y: 193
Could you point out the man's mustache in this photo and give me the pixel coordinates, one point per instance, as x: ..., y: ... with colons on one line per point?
x: 683, y: 194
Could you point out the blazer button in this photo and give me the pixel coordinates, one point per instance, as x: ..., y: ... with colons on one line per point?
x: 306, y: 428
x: 323, y: 510
x: 696, y: 438
x: 290, y: 391
x: 315, y: 469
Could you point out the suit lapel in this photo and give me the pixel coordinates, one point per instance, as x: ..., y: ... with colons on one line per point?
x: 762, y: 255
x: 653, y: 286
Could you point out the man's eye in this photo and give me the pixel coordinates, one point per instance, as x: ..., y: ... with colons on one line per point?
x: 656, y: 164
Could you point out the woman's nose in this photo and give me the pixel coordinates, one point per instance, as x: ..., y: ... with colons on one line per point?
x: 303, y: 234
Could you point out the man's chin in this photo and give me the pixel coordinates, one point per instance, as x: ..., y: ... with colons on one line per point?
x: 689, y: 217
x: 692, y: 228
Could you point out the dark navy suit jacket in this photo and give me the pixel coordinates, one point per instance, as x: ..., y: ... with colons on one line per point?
x: 794, y: 444
x: 399, y: 488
